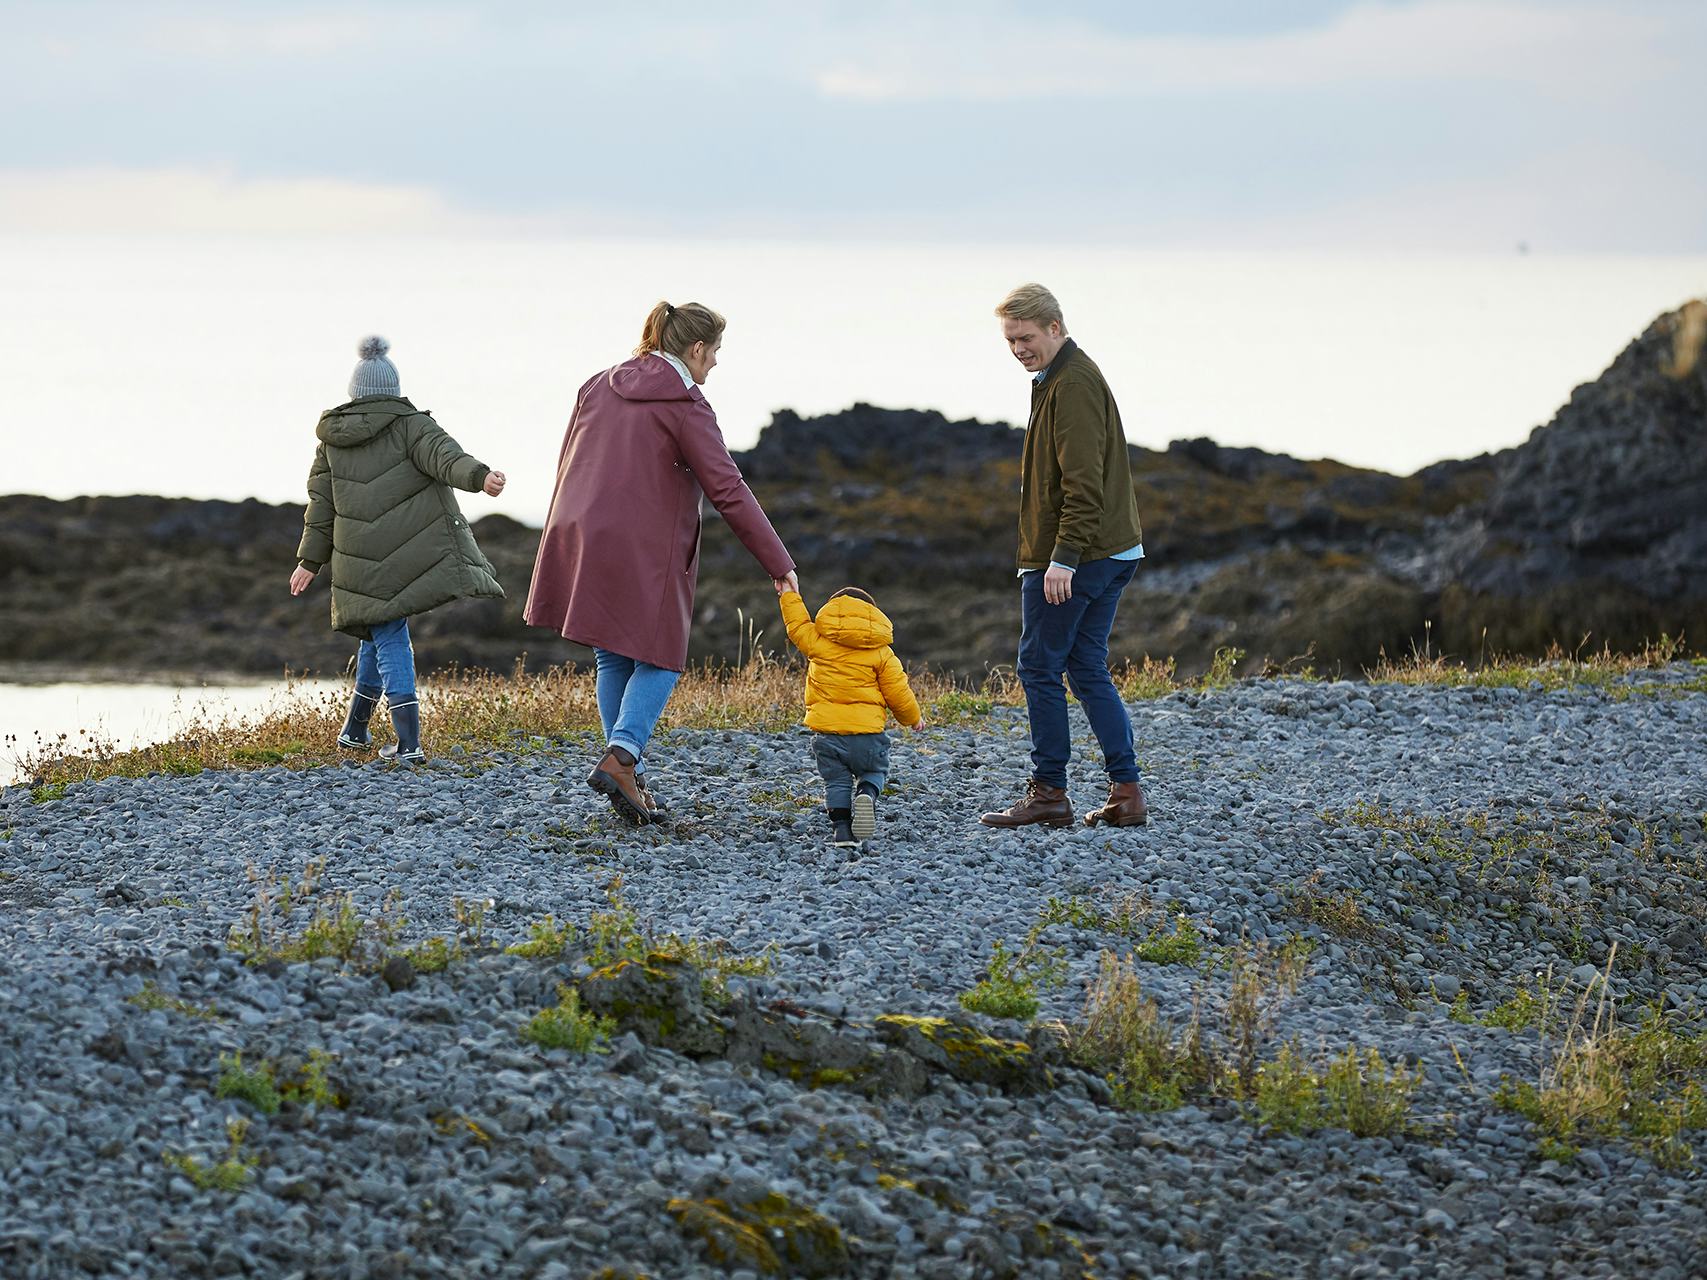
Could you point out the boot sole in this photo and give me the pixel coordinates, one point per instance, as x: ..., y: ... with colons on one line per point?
x: 350, y: 744
x: 1092, y: 820
x: 611, y: 789
x: 1053, y: 823
x: 864, y: 821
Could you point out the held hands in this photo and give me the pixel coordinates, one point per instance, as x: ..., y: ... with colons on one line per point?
x: 917, y: 728
x: 788, y: 582
x: 1057, y: 584
x: 299, y: 580
x: 494, y: 483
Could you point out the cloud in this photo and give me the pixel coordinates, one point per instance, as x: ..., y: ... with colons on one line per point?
x: 224, y: 36
x: 1561, y: 46
x: 129, y: 200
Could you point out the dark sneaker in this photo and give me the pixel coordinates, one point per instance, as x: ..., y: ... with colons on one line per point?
x: 842, y: 836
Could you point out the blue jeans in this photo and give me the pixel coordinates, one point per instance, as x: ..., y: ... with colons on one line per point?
x: 631, y: 698
x: 1071, y: 639
x: 386, y: 663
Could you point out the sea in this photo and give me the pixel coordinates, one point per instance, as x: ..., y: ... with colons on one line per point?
x: 197, y: 366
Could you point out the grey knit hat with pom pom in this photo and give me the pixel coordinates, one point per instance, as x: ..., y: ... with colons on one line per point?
x: 374, y: 375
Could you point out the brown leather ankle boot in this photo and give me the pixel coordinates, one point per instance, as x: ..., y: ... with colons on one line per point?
x: 1043, y: 805
x: 613, y: 778
x: 1125, y: 807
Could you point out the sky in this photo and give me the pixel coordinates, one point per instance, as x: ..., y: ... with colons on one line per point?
x: 1438, y: 125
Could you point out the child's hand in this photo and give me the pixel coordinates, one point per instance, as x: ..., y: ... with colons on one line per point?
x: 494, y: 483
x: 917, y: 728
x: 299, y: 580
x: 789, y: 583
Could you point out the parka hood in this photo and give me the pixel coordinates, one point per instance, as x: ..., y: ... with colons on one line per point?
x: 650, y: 377
x: 854, y: 623
x: 361, y: 420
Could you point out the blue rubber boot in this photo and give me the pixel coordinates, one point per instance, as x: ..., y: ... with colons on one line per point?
x: 355, y: 736
x: 406, y: 723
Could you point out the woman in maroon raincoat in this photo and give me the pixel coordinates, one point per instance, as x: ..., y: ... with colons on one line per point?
x: 619, y: 556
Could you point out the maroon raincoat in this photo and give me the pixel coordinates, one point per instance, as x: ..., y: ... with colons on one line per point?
x: 619, y: 556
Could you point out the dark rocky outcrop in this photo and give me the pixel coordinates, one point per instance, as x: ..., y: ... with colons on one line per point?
x: 1596, y: 525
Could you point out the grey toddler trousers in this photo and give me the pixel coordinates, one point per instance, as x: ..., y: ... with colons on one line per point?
x: 846, y: 758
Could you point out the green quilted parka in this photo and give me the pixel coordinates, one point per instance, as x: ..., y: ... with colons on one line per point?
x: 381, y: 513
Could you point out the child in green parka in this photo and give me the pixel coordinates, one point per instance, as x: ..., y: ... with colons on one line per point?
x: 381, y: 513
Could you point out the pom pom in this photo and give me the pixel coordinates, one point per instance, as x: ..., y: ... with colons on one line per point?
x: 372, y: 347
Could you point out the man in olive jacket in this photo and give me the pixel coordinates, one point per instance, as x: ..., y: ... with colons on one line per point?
x: 382, y: 514
x: 1079, y: 545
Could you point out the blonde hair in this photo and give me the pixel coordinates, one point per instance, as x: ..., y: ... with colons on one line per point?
x: 675, y: 329
x: 1031, y: 302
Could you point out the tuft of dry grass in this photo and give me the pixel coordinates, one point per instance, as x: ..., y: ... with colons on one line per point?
x: 1555, y: 669
x: 556, y: 709
x: 475, y: 710
x: 1603, y: 1082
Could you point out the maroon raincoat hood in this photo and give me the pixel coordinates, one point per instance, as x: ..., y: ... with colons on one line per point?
x: 650, y: 377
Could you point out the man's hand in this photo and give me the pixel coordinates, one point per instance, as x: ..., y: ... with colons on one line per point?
x: 1057, y: 584
x: 494, y: 483
x: 299, y: 580
x: 789, y: 582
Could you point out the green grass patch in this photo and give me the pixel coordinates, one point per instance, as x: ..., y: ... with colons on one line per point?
x: 1182, y: 944
x: 1608, y: 1083
x: 957, y: 706
x: 229, y: 1174
x: 616, y: 934
x: 151, y: 998
x: 254, y: 1086
x: 1011, y: 982
x: 568, y: 1026
x: 546, y: 940
x: 294, y: 921
x: 1360, y: 1092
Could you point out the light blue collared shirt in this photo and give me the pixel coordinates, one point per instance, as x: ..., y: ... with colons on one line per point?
x: 678, y: 366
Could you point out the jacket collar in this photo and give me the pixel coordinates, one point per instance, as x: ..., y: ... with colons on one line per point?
x: 1061, y: 358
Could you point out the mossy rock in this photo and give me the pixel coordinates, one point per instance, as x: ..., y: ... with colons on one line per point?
x: 658, y: 998
x: 966, y: 1053
x: 772, y: 1234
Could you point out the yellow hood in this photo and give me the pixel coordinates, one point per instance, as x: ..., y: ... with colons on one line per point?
x: 854, y: 623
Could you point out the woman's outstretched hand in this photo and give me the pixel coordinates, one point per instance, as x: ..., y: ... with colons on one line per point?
x: 789, y: 582
x: 299, y: 580
x: 494, y: 483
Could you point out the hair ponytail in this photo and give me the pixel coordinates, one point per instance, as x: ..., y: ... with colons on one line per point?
x: 675, y: 329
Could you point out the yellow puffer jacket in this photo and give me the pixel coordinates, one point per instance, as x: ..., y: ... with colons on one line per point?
x: 853, y: 678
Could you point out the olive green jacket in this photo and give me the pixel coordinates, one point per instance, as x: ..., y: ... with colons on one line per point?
x: 381, y: 513
x: 1076, y: 498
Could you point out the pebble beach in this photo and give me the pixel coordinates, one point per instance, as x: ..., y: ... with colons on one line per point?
x: 1426, y: 852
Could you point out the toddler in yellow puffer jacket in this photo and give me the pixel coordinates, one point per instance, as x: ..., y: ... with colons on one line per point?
x: 853, y: 681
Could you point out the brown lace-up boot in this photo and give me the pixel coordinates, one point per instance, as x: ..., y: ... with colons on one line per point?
x: 1043, y: 805
x: 1125, y: 807
x: 613, y: 778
